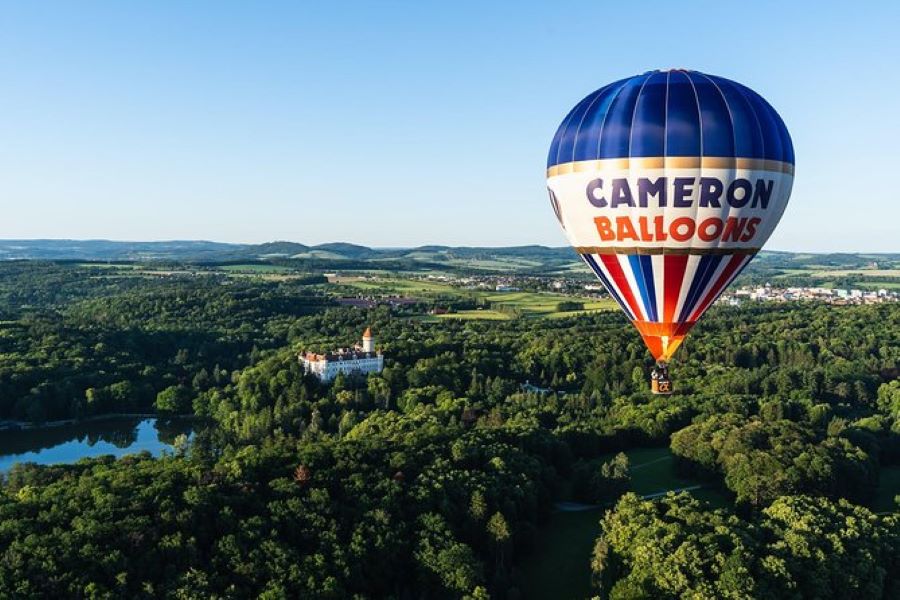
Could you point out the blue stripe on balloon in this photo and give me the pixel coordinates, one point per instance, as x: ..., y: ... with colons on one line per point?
x: 716, y: 129
x: 565, y: 136
x: 616, y: 137
x: 643, y: 276
x: 682, y: 118
x: 770, y: 128
x: 607, y: 284
x: 705, y: 270
x: 748, y: 138
x: 787, y: 146
x: 590, y: 131
x: 650, y: 281
x: 648, y: 129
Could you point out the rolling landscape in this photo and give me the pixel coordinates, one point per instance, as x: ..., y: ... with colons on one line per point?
x: 507, y: 444
x: 449, y: 301
x: 873, y: 268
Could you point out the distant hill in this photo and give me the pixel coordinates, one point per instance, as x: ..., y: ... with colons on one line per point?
x: 342, y: 255
x: 273, y: 249
x: 105, y: 250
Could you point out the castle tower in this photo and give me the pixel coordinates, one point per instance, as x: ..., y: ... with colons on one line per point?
x: 368, y: 342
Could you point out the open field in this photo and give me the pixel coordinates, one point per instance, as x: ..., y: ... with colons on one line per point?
x: 532, y: 304
x: 560, y: 564
x: 255, y: 268
x: 264, y: 272
x: 527, y: 304
x: 540, y: 302
x: 476, y: 315
x: 118, y: 266
x: 495, y: 264
x: 849, y: 272
x: 653, y: 471
x: 403, y: 286
x: 791, y: 273
x: 878, y: 285
x: 888, y: 488
x: 498, y: 264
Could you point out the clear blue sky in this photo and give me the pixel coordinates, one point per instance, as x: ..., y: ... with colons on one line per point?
x: 404, y: 123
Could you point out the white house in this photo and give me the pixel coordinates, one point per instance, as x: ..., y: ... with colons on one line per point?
x: 362, y: 358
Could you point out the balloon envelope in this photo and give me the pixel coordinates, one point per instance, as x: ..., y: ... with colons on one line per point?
x: 667, y: 184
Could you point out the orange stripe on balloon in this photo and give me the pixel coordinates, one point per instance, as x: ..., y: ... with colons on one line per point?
x: 663, y: 339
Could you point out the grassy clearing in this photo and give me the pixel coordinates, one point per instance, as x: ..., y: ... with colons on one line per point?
x: 528, y: 304
x: 653, y: 471
x: 403, y: 286
x: 320, y: 254
x: 878, y: 285
x: 117, y: 266
x: 495, y: 264
x: 791, y: 273
x: 532, y: 304
x: 888, y: 487
x: 480, y: 315
x: 861, y: 272
x: 559, y: 567
x: 544, y: 304
x: 589, y: 307
x: 255, y: 268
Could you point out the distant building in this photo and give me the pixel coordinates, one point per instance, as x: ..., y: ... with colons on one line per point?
x: 362, y: 358
x: 533, y: 389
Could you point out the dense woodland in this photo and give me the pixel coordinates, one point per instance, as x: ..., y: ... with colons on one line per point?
x: 433, y: 478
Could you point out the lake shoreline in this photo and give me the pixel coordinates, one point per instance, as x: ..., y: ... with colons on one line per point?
x: 91, y: 438
x: 12, y: 425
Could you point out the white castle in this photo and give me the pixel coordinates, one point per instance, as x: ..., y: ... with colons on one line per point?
x: 359, y: 359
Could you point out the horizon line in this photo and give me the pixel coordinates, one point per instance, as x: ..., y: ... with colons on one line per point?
x: 374, y: 247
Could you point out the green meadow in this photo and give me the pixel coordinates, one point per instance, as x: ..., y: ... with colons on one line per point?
x: 888, y: 489
x: 256, y: 268
x: 497, y: 305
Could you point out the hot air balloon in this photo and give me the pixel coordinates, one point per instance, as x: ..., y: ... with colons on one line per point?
x: 667, y: 184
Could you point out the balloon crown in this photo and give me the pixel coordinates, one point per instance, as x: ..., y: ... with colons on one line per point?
x: 672, y: 113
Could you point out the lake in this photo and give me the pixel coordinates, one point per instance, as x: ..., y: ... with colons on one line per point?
x: 68, y: 443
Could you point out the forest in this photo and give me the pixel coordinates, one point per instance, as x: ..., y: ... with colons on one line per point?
x: 435, y: 478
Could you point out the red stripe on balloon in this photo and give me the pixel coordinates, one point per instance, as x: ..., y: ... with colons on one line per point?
x: 673, y: 269
x: 611, y: 262
x: 736, y: 261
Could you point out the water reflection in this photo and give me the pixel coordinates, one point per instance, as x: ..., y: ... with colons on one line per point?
x: 69, y: 443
